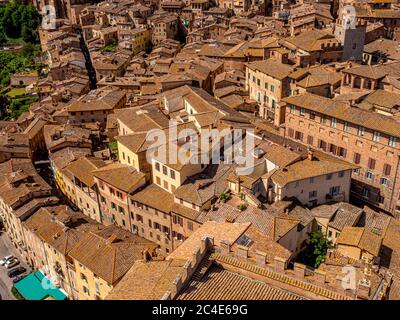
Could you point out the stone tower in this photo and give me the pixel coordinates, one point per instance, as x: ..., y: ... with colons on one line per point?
x: 350, y: 31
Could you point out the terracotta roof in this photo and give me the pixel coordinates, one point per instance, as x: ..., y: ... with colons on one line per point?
x: 321, y: 164
x: 154, y: 197
x: 111, y: 252
x: 147, y: 280
x: 361, y: 238
x: 60, y: 227
x: 283, y: 224
x: 345, y: 215
x: 272, y: 68
x: 342, y: 111
x: 218, y: 230
x: 121, y: 176
x: 83, y: 167
x: 221, y: 284
x: 312, y: 40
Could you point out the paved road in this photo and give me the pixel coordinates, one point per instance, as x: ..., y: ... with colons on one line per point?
x: 6, y: 284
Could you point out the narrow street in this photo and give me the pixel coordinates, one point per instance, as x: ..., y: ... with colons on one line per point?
x: 6, y: 283
x: 88, y: 62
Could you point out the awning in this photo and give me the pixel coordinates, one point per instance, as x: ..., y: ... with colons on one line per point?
x: 37, y: 286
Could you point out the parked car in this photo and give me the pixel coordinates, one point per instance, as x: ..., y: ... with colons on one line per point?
x: 15, y: 272
x: 5, y: 259
x: 12, y: 263
x: 19, y: 278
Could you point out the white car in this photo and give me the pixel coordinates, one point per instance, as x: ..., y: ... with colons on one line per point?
x: 5, y: 259
x: 12, y: 263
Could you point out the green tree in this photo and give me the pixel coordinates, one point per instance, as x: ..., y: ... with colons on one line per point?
x: 318, y: 247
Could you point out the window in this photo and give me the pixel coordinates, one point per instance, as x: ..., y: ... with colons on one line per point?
x: 310, y: 140
x: 258, y: 82
x: 369, y: 175
x: 329, y: 176
x: 272, y: 88
x: 312, y: 115
x: 384, y: 182
x: 172, y: 172
x: 360, y: 131
x: 357, y: 158
x: 292, y: 109
x: 165, y: 170
x: 376, y: 135
x: 387, y: 169
x: 365, y: 193
x: 121, y: 210
x: 157, y: 166
x: 86, y: 290
x: 178, y: 220
x: 312, y: 180
x: 322, y: 145
x: 290, y: 132
x: 266, y: 86
x: 272, y: 104
x: 123, y: 155
x: 371, y: 163
x: 150, y: 223
x: 346, y: 126
x: 341, y: 174
x: 166, y: 186
x: 333, y: 122
x: 254, y: 79
x: 299, y: 136
x: 158, y: 181
x: 312, y: 194
x: 190, y: 225
x: 392, y: 141
x: 302, y: 111
x: 342, y: 152
x: 333, y: 191
x: 113, y: 205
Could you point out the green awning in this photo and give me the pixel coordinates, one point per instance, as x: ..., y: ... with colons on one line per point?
x: 37, y: 286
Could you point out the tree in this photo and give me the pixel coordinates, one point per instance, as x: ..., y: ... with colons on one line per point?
x: 223, y: 196
x: 318, y: 247
x: 3, y: 37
